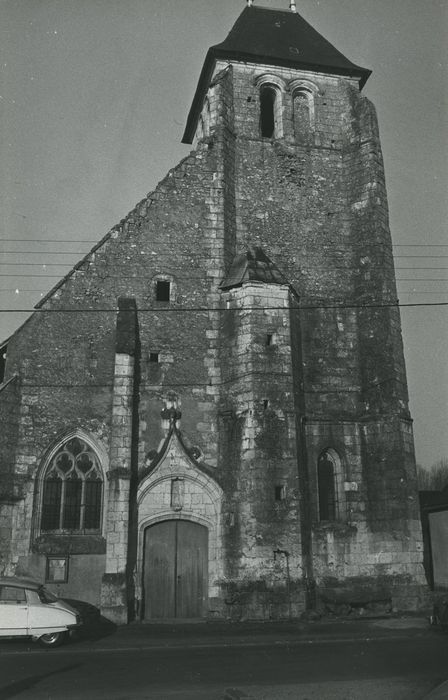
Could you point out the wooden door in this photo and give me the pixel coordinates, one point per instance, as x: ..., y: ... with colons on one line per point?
x: 175, y: 570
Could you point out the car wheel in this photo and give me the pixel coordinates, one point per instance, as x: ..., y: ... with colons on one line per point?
x: 53, y: 639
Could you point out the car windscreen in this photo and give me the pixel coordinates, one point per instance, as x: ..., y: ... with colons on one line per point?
x: 45, y: 596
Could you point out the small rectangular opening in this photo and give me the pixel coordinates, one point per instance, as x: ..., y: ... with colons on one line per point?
x: 280, y: 493
x: 265, y: 404
x: 162, y: 290
x: 269, y: 339
x: 154, y: 357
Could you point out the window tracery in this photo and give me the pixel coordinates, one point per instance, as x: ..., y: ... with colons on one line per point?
x: 72, y: 489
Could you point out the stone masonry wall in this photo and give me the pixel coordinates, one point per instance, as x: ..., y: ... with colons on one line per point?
x: 314, y: 200
x: 259, y: 455
x: 319, y: 210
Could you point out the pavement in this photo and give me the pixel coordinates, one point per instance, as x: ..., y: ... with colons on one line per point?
x: 248, y: 633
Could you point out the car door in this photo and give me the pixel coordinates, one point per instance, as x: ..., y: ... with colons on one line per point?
x: 13, y: 611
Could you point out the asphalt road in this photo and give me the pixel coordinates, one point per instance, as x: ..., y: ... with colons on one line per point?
x: 362, y: 669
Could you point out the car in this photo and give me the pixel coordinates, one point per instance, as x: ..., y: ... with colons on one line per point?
x: 28, y: 609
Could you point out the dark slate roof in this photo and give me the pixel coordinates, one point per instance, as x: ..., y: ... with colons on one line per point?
x: 274, y: 37
x: 252, y: 266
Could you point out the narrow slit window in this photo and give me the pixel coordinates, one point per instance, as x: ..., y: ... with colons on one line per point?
x: 154, y: 357
x: 280, y: 493
x: 326, y: 488
x: 269, y: 339
x: 163, y: 289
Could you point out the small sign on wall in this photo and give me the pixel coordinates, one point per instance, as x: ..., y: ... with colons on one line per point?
x: 350, y: 486
x: 57, y: 570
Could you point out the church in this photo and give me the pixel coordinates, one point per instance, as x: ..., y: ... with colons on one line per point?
x: 208, y: 416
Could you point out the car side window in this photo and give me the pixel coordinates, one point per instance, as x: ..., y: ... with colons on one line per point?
x: 46, y: 596
x: 10, y: 595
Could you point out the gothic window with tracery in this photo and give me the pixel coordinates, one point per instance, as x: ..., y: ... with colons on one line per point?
x: 72, y: 489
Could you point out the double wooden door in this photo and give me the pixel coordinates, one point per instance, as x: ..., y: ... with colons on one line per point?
x: 175, y: 570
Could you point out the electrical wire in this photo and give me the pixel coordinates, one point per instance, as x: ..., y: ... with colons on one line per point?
x: 205, y: 309
x: 77, y: 240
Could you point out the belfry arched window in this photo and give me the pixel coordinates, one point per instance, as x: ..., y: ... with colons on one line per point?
x: 72, y: 489
x: 303, y: 95
x: 302, y: 115
x: 267, y: 111
x: 328, y: 485
x: 271, y: 89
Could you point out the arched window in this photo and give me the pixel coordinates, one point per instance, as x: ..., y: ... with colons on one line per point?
x: 302, y: 116
x: 303, y: 94
x: 271, y: 89
x: 268, y: 97
x: 72, y: 489
x: 327, y: 486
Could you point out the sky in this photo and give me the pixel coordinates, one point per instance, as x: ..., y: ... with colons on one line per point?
x: 94, y: 96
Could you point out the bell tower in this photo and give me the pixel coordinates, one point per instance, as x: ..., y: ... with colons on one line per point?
x: 321, y: 462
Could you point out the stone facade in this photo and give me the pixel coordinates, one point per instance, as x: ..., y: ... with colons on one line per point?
x: 213, y: 400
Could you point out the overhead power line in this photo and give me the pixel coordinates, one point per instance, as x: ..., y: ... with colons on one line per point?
x: 205, y: 309
x: 78, y: 240
x: 46, y: 240
x: 302, y: 267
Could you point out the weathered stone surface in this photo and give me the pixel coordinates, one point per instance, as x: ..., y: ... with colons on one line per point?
x: 262, y: 377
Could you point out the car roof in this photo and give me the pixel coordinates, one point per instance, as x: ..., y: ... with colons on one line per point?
x: 19, y: 582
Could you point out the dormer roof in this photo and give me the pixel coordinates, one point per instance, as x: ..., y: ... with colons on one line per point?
x: 273, y: 37
x: 252, y: 266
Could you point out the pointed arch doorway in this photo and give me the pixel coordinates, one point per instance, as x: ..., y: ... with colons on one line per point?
x: 175, y: 572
